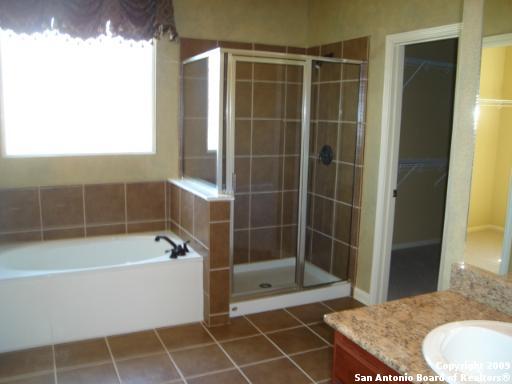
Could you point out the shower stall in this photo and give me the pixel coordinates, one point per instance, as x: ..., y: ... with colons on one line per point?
x: 280, y: 133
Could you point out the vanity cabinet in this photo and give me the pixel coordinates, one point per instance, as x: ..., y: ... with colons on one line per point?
x: 351, y: 360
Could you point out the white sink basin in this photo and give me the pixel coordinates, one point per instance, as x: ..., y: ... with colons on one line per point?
x: 474, y: 351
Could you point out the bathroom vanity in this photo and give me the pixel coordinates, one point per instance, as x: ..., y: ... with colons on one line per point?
x: 387, y: 339
x: 352, y: 363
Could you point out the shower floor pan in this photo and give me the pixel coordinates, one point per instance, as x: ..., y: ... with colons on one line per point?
x: 265, y: 276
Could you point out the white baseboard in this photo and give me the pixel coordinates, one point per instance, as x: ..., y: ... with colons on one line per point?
x: 362, y: 296
x: 415, y: 244
x: 478, y: 228
x: 308, y: 296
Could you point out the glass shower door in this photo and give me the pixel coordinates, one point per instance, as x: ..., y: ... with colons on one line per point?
x: 267, y: 123
x: 333, y: 173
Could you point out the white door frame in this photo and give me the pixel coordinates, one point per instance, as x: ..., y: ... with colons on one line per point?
x: 491, y: 42
x: 389, y: 147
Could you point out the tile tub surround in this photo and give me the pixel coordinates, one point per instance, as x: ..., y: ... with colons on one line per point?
x: 206, y: 223
x: 58, y: 212
x: 482, y: 286
x: 271, y: 347
x: 394, y: 331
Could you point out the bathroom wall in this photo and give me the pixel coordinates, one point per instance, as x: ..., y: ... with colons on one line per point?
x: 198, y: 160
x: 272, y: 22
x: 484, y: 168
x: 337, y: 120
x: 58, y: 212
x: 49, y: 171
x: 504, y: 153
x: 493, y: 159
x: 267, y: 160
x: 332, y: 20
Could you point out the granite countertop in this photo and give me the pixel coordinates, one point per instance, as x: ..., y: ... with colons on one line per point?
x: 394, y: 331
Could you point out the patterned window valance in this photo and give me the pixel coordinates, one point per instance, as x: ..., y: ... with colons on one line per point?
x: 130, y: 19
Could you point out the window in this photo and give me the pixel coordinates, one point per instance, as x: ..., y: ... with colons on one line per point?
x: 62, y: 96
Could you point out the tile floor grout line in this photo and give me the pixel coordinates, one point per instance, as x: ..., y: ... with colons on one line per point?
x: 139, y: 356
x: 211, y: 373
x: 170, y: 357
x: 175, y: 381
x: 238, y: 338
x: 280, y: 350
x: 189, y: 347
x: 309, y: 350
x: 328, y: 307
x: 283, y: 329
x: 113, y: 360
x: 229, y: 357
x: 24, y: 376
x: 54, y: 365
x: 269, y: 360
x: 308, y: 327
x: 84, y: 365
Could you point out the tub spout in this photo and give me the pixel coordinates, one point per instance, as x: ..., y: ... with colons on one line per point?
x: 177, y: 250
x: 162, y: 237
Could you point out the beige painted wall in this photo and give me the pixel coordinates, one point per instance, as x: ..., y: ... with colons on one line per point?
x: 20, y: 172
x: 332, y: 20
x: 497, y: 16
x: 281, y: 22
x: 266, y: 21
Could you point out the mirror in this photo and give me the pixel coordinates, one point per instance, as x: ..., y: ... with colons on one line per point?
x: 489, y: 229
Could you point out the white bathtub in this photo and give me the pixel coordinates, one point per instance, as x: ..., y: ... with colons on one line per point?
x: 66, y: 290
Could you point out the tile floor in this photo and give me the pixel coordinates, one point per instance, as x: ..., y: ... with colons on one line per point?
x: 290, y: 345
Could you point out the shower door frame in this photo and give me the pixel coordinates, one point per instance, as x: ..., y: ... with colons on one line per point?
x: 254, y: 57
x: 226, y: 107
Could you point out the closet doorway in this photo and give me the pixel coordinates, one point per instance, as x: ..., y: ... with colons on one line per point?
x: 428, y: 87
x: 417, y: 119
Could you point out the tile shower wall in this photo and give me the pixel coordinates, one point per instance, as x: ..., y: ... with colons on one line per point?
x: 267, y: 160
x: 192, y: 47
x: 206, y: 224
x: 198, y: 160
x: 49, y: 213
x: 332, y: 236
x: 334, y: 191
